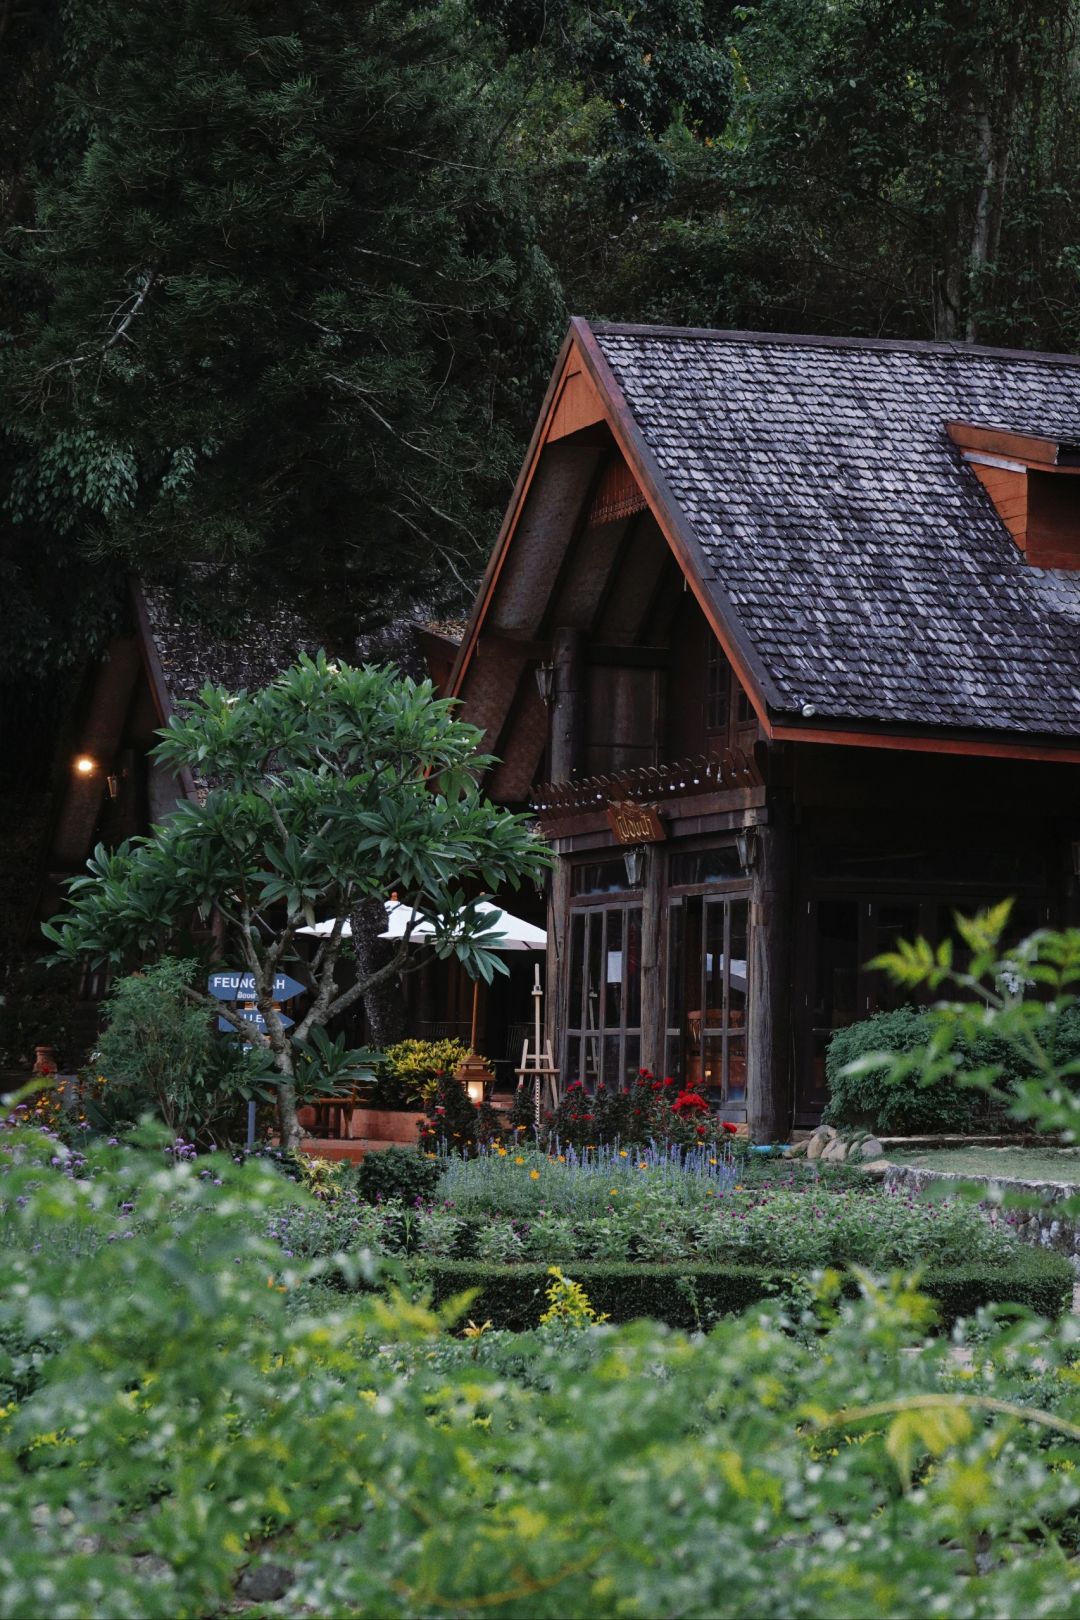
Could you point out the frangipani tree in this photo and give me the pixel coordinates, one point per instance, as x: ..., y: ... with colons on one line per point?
x: 327, y: 790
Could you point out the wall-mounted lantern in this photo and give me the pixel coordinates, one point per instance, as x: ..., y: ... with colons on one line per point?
x: 746, y: 848
x: 634, y: 861
x: 545, y: 682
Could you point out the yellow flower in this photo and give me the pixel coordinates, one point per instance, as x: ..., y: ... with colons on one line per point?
x: 614, y: 1191
x: 534, y: 1175
x: 519, y: 1160
x: 623, y: 1154
x: 562, y: 1158
x: 712, y: 1161
x: 643, y: 1165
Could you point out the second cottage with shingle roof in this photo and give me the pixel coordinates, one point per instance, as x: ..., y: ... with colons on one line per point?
x: 781, y: 640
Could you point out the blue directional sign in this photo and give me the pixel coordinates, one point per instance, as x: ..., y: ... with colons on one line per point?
x: 230, y: 984
x: 251, y: 1015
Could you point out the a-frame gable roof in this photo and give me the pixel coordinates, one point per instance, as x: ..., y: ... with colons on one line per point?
x: 853, y: 566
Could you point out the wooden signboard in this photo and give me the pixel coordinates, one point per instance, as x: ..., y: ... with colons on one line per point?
x: 636, y: 823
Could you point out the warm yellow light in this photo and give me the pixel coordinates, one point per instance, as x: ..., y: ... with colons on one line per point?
x: 85, y: 765
x: 475, y: 1089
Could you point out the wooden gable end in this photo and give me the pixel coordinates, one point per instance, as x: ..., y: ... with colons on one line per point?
x: 1034, y: 484
x: 583, y: 548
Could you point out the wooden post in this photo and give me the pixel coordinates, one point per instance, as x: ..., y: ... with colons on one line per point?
x: 566, y: 711
x: 652, y: 961
x: 558, y: 945
x: 768, y: 1054
x: 567, y: 703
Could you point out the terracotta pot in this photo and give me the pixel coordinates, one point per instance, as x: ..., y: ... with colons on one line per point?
x: 44, y: 1060
x: 385, y: 1125
x: 306, y: 1117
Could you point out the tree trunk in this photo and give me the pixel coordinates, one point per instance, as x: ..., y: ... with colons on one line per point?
x: 383, y: 1002
x: 290, y: 1125
x: 980, y: 234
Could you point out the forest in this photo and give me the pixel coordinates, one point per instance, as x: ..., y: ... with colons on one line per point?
x: 283, y: 279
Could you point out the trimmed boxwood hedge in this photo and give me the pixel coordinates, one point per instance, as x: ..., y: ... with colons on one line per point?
x: 685, y: 1295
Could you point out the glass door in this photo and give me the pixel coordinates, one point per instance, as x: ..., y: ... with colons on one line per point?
x: 708, y: 991
x: 603, y: 1002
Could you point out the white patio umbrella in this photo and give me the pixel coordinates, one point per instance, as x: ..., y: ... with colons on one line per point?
x: 513, y: 934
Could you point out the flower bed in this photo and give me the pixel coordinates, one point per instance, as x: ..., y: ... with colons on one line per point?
x: 659, y: 1206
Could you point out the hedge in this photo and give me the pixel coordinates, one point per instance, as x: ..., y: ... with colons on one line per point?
x: 872, y: 1100
x: 689, y: 1296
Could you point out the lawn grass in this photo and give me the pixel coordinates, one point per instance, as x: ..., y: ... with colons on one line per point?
x: 1012, y: 1163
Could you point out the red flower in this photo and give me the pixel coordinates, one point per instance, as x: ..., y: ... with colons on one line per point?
x: 702, y: 1130
x: 726, y: 1125
x: 646, y: 1074
x: 669, y: 1081
x: 688, y: 1102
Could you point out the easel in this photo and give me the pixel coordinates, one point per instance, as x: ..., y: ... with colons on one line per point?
x: 539, y: 1065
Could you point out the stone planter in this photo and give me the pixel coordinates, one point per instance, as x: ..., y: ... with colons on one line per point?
x: 1045, y: 1226
x: 384, y: 1125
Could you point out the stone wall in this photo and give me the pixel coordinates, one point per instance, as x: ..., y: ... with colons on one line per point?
x: 1045, y: 1226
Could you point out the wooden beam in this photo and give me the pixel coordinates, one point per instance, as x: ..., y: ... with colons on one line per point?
x: 1029, y: 448
x: 940, y: 742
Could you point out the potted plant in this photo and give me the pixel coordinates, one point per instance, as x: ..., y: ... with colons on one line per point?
x: 405, y: 1080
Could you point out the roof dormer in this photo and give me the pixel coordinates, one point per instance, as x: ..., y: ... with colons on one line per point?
x: 1034, y: 483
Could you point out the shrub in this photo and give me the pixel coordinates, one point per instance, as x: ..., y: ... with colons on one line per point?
x: 159, y: 1053
x: 689, y: 1295
x: 455, y: 1124
x: 871, y: 1099
x: 207, y: 1411
x: 412, y: 1069
x: 651, y: 1110
x: 398, y: 1173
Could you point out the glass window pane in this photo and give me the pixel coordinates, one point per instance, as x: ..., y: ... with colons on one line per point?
x: 892, y: 921
x: 718, y: 865
x: 590, y: 1064
x: 717, y: 688
x: 739, y: 965
x: 631, y: 1060
x: 632, y: 969
x: 735, y: 1090
x: 594, y: 938
x: 712, y: 1051
x: 673, y: 1057
x: 715, y: 964
x: 598, y: 877
x: 572, y: 1065
x: 837, y: 964
x: 611, y: 1073
x: 676, y: 1001
x: 577, y: 959
x: 613, y: 970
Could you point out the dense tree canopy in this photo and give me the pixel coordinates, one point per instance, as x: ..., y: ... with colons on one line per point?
x: 281, y: 282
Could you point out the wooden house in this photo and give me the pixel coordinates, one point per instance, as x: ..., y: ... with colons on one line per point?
x: 780, y: 641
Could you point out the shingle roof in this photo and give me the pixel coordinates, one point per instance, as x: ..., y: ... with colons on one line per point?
x: 863, y: 561
x: 254, y: 640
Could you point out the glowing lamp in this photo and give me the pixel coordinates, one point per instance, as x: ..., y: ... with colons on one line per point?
x: 476, y: 1076
x: 85, y: 765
